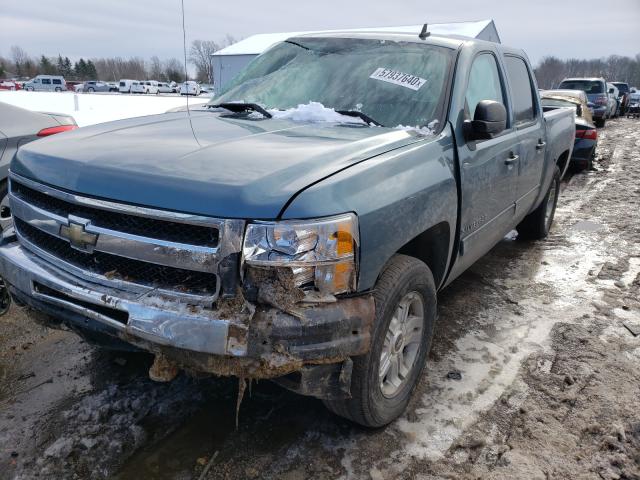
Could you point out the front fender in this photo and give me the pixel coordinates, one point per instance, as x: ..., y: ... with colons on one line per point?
x: 396, y: 195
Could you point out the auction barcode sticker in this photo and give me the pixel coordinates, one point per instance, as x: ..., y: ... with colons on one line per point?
x: 398, y: 78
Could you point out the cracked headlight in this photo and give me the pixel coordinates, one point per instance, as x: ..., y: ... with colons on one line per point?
x: 321, y: 253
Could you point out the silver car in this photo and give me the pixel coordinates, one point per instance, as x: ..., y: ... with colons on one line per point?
x: 46, y: 83
x: 98, y: 86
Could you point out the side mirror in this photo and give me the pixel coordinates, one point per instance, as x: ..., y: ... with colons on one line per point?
x: 489, y: 120
x: 611, y: 90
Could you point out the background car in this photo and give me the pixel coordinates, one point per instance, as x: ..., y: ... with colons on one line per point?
x: 17, y: 127
x: 138, y: 87
x: 9, y: 85
x: 190, y: 88
x: 124, y: 86
x: 633, y: 108
x: 614, y: 102
x: 164, y: 87
x: 207, y: 88
x: 97, y: 86
x: 623, y: 95
x: 595, y: 88
x: 46, y: 83
x: 151, y: 86
x: 586, y: 141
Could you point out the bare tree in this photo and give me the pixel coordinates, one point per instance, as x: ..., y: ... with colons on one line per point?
x: 200, y: 56
x: 174, y: 70
x: 21, y: 60
x: 155, y: 68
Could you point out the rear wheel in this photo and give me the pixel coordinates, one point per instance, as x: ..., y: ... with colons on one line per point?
x: 537, y: 224
x: 91, y: 90
x: 383, y: 380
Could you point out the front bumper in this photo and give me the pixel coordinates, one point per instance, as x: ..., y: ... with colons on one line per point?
x: 257, y: 342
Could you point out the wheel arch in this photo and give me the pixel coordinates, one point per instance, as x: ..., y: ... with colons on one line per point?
x: 431, y: 247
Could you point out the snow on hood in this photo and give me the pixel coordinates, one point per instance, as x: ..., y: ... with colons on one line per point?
x: 313, y: 112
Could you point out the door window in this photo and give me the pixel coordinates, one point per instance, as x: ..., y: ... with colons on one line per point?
x: 522, y: 91
x: 46, y: 81
x: 57, y: 81
x: 484, y: 82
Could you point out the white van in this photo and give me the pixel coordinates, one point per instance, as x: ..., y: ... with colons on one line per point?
x: 45, y: 83
x: 124, y: 86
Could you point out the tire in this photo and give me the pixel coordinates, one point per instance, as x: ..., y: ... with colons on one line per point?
x: 599, y: 122
x: 537, y: 224
x: 91, y: 90
x: 374, y: 401
x: 58, y: 89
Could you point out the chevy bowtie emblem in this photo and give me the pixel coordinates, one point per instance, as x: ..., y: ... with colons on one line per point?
x: 78, y: 237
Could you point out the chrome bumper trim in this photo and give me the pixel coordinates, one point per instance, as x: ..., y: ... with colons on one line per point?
x: 151, y: 317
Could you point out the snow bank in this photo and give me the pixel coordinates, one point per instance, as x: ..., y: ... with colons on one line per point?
x: 89, y: 109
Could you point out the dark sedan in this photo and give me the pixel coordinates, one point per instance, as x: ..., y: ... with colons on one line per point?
x: 584, y: 147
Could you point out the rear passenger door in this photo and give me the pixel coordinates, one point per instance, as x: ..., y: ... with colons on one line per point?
x: 528, y: 122
x: 488, y: 168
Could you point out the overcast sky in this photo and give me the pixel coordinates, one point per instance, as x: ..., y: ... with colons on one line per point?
x: 565, y: 28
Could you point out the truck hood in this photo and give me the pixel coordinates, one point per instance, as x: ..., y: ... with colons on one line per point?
x: 210, y: 163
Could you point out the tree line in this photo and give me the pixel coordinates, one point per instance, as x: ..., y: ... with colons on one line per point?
x: 19, y: 64
x: 549, y: 72
x: 615, y: 68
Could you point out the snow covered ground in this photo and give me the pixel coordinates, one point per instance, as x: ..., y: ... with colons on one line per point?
x: 89, y: 109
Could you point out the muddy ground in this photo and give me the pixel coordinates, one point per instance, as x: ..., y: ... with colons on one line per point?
x: 533, y: 375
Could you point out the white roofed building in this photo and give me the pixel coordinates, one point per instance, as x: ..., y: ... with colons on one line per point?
x: 230, y: 60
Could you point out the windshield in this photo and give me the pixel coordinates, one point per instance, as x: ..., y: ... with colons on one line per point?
x: 587, y: 86
x: 394, y: 83
x: 622, y: 87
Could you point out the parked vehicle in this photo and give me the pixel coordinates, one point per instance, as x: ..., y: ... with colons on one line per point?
x: 175, y: 88
x: 307, y: 248
x: 138, y: 87
x: 46, y: 83
x: 19, y: 127
x: 151, y: 86
x: 633, y: 109
x: 623, y: 95
x: 584, y: 147
x: 124, y: 86
x: 164, y: 87
x: 9, y: 85
x: 596, y: 91
x: 190, y: 88
x: 92, y: 86
x: 614, y: 102
x: 207, y: 88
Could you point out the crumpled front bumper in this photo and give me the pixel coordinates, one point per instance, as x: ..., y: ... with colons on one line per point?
x: 191, y: 334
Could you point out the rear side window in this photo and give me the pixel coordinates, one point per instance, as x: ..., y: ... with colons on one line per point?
x: 46, y: 81
x: 521, y: 90
x: 587, y: 86
x: 484, y: 82
x: 57, y: 81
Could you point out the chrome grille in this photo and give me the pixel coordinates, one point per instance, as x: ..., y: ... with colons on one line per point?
x: 135, y: 247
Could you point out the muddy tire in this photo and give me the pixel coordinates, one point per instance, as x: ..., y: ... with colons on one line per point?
x: 405, y: 297
x: 537, y: 224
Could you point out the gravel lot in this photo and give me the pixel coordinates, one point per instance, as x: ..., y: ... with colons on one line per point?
x: 533, y: 375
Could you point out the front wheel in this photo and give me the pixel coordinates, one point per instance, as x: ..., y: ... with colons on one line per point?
x: 383, y: 380
x: 537, y: 224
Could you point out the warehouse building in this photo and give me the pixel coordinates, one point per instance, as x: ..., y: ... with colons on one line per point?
x: 230, y: 60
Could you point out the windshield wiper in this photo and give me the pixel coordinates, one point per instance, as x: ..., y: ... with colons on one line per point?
x: 363, y: 116
x: 239, y: 107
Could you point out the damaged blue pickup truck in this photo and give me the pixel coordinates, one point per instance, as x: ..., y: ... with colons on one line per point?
x: 264, y: 236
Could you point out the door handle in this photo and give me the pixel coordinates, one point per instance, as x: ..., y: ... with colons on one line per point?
x: 512, y: 158
x: 540, y: 145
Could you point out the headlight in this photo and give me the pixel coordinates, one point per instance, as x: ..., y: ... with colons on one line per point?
x: 321, y: 253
